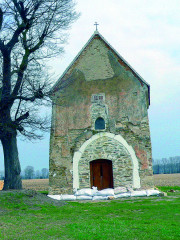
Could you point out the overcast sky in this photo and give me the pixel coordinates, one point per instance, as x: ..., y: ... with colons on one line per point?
x: 145, y: 33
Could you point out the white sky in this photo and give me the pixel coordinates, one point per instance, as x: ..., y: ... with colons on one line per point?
x: 147, y: 34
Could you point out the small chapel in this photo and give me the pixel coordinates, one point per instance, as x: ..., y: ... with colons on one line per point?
x: 100, y: 130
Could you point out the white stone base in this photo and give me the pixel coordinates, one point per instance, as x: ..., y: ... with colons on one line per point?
x: 99, y: 196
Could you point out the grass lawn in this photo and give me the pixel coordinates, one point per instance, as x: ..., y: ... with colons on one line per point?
x: 31, y: 215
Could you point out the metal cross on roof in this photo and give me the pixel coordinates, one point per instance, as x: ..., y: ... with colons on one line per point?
x: 96, y: 24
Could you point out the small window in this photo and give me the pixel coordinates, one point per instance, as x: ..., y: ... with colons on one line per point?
x: 98, y: 97
x: 99, y: 124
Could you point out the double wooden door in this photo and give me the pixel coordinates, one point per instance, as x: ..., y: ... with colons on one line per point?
x: 101, y: 174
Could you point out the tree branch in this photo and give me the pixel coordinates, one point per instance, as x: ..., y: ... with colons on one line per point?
x: 26, y: 24
x: 21, y: 70
x: 37, y: 95
x: 1, y: 18
x: 21, y: 118
x: 20, y: 8
x: 1, y: 45
x: 15, y: 36
x: 31, y: 99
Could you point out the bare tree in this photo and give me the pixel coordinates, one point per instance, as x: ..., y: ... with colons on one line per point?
x: 166, y: 165
x: 44, y: 173
x: 30, y: 31
x: 37, y: 175
x: 29, y: 172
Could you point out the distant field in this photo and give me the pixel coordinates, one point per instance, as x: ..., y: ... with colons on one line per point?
x: 159, y: 180
x: 35, y: 184
x: 167, y: 179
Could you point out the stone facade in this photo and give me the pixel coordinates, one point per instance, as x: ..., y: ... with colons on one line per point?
x: 99, y: 84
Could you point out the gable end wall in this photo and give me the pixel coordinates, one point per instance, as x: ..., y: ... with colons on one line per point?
x: 74, y: 114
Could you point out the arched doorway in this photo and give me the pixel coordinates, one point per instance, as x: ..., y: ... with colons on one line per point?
x: 101, y: 174
x: 124, y: 161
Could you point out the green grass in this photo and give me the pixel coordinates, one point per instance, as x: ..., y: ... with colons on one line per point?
x: 43, y: 192
x: 27, y: 215
x: 170, y: 190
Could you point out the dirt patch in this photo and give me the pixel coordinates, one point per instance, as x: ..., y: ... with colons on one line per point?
x: 30, y: 197
x: 1, y: 184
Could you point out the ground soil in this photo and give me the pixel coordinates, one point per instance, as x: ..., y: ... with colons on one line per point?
x: 159, y: 180
x: 30, y: 198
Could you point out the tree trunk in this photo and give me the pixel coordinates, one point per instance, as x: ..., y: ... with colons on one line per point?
x: 11, y: 162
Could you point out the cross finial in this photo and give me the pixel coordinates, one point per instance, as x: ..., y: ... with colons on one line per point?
x: 96, y: 24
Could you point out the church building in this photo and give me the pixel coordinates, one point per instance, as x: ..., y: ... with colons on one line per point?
x: 100, y: 130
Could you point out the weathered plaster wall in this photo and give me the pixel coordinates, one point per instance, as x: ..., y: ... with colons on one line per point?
x: 124, y: 108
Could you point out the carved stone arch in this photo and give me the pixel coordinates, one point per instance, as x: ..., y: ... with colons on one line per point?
x: 106, y: 146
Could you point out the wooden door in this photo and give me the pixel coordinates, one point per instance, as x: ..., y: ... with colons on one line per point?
x: 101, y: 174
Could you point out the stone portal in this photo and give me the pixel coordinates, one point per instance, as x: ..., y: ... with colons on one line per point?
x: 101, y: 174
x: 106, y: 146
